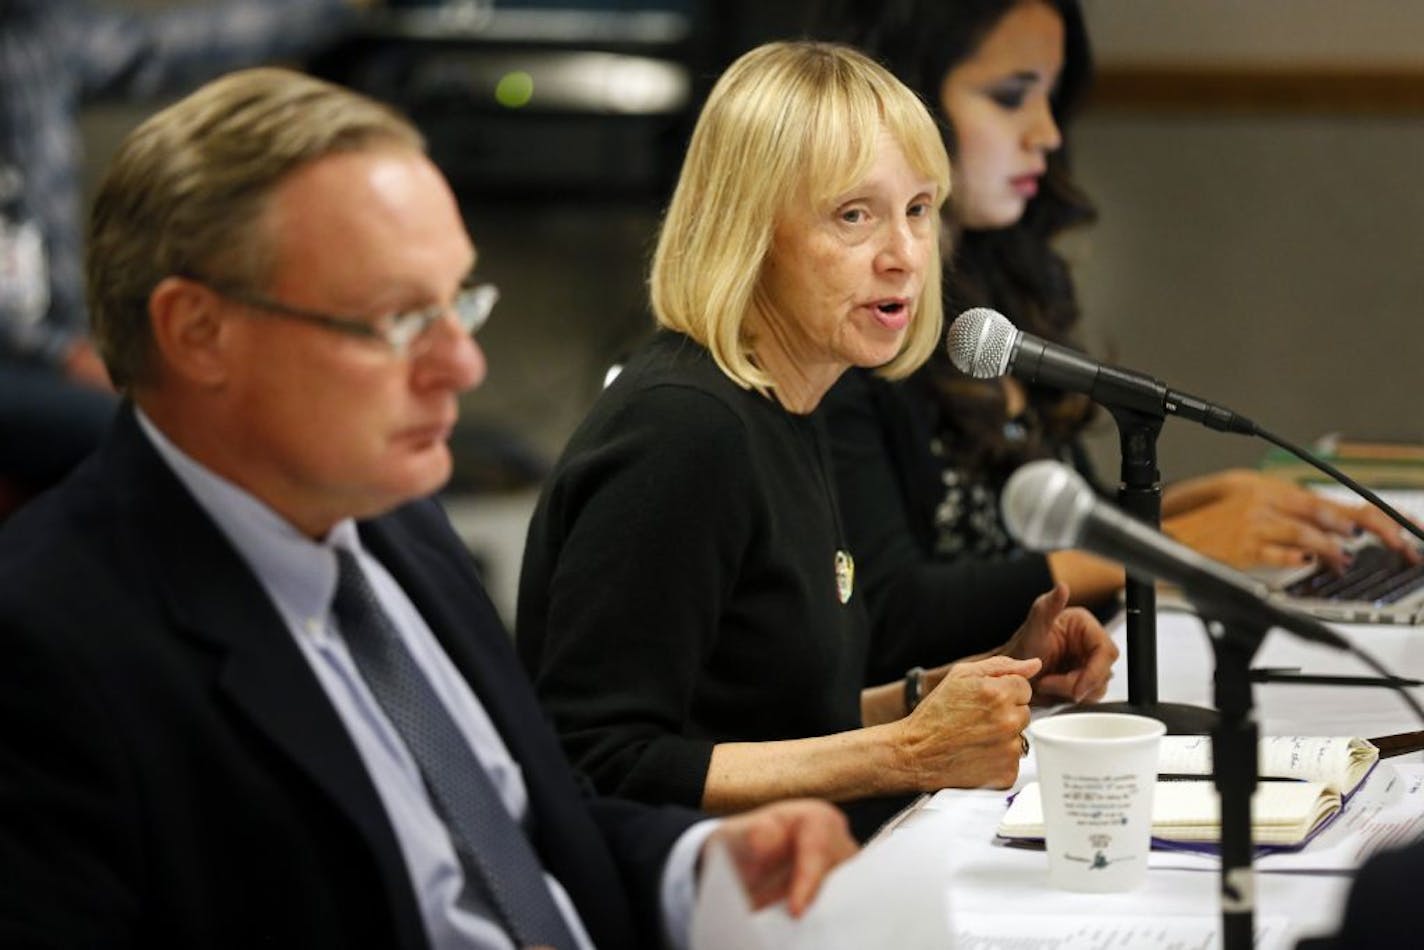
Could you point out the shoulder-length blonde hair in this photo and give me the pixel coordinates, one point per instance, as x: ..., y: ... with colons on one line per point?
x: 787, y: 122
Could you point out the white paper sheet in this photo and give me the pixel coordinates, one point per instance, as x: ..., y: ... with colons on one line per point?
x: 723, y: 915
x: 890, y: 895
x: 1064, y: 932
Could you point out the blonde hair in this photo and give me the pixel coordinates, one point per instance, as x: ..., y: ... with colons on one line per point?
x: 185, y: 192
x: 787, y: 122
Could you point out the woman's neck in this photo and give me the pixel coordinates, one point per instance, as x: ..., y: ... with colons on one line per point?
x: 798, y: 384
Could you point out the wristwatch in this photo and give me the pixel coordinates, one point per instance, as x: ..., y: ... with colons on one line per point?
x: 914, y: 687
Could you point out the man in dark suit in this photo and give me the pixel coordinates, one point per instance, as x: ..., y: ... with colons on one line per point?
x: 252, y: 692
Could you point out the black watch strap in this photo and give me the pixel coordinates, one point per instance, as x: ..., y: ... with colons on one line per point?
x: 914, y: 687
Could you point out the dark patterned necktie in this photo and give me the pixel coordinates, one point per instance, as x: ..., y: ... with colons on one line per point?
x: 492, y: 848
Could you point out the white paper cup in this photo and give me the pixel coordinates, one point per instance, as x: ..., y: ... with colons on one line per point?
x: 1096, y: 772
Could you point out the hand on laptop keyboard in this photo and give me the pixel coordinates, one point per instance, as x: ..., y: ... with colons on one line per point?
x: 1248, y: 519
x: 1377, y: 575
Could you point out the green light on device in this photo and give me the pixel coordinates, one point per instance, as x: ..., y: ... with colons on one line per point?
x: 515, y: 89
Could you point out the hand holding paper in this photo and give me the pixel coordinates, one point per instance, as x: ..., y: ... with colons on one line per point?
x: 891, y: 895
x: 784, y: 851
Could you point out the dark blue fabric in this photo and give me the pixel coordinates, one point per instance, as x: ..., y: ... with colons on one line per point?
x: 172, y: 773
x: 47, y: 424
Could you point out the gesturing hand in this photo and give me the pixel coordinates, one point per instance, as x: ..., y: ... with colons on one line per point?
x: 1076, y: 651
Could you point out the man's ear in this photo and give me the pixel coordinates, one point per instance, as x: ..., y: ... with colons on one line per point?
x: 188, y: 331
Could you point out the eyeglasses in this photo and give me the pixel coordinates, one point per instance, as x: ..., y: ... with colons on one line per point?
x: 407, y: 333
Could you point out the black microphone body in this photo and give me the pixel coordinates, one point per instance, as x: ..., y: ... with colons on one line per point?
x: 978, y: 337
x: 983, y: 343
x: 1048, y: 506
x: 1042, y: 363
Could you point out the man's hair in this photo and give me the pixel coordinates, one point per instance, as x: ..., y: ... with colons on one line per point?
x: 186, y: 191
x: 795, y: 122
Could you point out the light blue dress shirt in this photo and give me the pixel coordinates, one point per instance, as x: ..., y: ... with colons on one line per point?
x: 300, y: 576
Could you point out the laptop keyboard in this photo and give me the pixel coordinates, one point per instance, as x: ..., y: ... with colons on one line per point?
x: 1378, y: 575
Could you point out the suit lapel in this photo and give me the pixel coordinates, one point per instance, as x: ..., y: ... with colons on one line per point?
x: 214, y: 597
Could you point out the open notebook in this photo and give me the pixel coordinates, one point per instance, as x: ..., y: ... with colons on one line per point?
x: 1320, y: 773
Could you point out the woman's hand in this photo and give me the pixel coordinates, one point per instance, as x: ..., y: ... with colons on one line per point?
x: 1076, y: 652
x: 1248, y: 519
x: 965, y: 732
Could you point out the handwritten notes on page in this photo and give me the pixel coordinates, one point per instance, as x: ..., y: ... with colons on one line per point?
x: 1065, y: 932
x: 1386, y: 811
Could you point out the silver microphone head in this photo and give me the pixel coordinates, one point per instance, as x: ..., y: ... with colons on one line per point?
x: 980, y: 341
x: 1045, y: 505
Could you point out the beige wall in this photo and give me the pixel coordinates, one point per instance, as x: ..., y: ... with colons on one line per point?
x: 1258, y: 31
x: 1272, y: 263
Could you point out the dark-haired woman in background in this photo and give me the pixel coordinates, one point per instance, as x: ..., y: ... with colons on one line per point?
x: 920, y: 463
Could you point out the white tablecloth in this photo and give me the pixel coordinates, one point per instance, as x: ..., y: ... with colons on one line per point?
x: 999, y: 896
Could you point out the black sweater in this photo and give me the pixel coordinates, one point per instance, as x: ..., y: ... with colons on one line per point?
x: 679, y: 588
x: 925, y: 610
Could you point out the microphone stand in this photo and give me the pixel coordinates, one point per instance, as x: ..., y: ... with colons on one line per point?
x: 1234, y: 751
x: 1140, y: 495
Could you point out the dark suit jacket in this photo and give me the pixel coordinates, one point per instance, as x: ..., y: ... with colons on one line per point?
x: 171, y: 773
x: 1378, y: 914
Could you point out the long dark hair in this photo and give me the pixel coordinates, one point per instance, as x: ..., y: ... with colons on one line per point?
x: 1014, y: 269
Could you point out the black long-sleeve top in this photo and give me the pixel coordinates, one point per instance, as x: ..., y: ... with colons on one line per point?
x: 679, y: 585
x: 925, y: 608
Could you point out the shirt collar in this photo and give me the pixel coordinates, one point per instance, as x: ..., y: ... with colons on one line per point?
x: 298, y: 573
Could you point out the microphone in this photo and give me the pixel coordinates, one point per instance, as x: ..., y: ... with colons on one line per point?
x: 1047, y: 506
x: 983, y: 343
